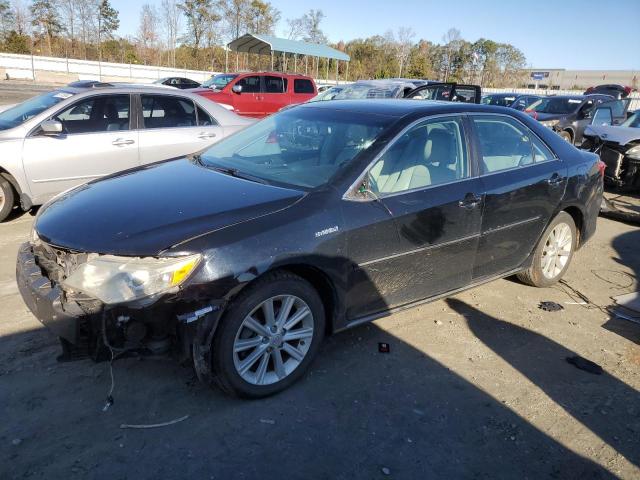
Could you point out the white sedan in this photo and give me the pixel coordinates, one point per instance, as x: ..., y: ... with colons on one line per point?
x: 86, y: 130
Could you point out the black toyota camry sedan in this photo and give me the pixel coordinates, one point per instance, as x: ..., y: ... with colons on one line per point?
x: 311, y: 221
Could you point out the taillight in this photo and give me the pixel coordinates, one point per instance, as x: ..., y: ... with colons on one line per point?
x: 601, y: 167
x: 627, y: 90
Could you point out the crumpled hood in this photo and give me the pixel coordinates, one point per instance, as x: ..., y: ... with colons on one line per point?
x: 621, y: 135
x: 145, y: 211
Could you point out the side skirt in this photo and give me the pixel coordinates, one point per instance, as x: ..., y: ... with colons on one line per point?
x: 386, y: 313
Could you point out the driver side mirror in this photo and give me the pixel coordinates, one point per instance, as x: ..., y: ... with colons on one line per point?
x: 51, y: 127
x: 236, y: 89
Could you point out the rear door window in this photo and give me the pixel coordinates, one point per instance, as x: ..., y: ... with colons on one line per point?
x: 302, y: 85
x: 165, y: 111
x: 505, y: 143
x: 250, y: 84
x: 104, y: 113
x: 204, y: 119
x: 273, y: 84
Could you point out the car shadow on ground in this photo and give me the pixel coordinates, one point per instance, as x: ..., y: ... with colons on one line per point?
x: 356, y: 412
x: 610, y: 409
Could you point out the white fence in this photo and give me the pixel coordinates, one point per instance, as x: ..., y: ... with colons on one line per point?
x: 27, y: 67
x: 634, y: 105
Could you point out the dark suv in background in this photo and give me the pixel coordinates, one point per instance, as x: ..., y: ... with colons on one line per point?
x: 569, y: 115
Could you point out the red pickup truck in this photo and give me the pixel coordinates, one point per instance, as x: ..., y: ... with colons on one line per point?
x: 258, y: 94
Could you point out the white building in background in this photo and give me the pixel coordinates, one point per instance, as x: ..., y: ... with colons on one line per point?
x: 561, y: 79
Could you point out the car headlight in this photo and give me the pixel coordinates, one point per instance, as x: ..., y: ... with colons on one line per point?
x: 115, y: 280
x: 633, y: 152
x: 550, y: 123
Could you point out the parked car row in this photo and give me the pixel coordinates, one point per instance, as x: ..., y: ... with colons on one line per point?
x: 568, y: 115
x: 316, y: 219
x: 69, y: 136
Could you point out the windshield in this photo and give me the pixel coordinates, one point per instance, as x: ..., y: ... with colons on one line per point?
x: 219, y: 81
x: 22, y: 112
x: 556, y: 105
x: 356, y: 91
x: 302, y: 147
x: 499, y: 100
x: 328, y: 94
x: 633, y: 121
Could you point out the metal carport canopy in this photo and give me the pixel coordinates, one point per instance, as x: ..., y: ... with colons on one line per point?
x: 265, y: 44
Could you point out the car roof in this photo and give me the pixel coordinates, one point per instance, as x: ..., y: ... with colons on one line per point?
x: 118, y: 87
x: 403, y: 107
x: 296, y: 75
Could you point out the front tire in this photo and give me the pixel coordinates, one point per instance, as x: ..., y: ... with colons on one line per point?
x: 553, y: 253
x: 268, y: 336
x: 7, y: 198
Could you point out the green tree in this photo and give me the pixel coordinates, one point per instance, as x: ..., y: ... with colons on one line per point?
x: 108, y: 19
x: 46, y: 20
x: 7, y: 18
x: 16, y: 43
x: 262, y: 17
x: 108, y: 22
x: 199, y: 15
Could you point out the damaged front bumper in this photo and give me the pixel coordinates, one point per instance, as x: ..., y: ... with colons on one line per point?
x: 44, y: 297
x: 621, y: 170
x: 84, y: 324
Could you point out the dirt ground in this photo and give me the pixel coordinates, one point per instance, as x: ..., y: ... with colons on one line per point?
x: 474, y: 386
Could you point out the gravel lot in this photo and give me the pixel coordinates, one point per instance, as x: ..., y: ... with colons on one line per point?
x: 475, y: 386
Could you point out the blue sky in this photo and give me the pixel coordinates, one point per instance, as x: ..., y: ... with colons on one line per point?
x: 572, y: 34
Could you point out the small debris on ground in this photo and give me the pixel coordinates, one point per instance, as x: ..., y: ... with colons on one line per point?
x: 386, y: 471
x: 584, y: 364
x: 550, y: 306
x: 438, y: 322
x: 16, y: 441
x: 268, y: 421
x: 155, y: 425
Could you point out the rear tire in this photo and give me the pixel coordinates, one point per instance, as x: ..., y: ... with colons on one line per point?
x: 553, y: 253
x: 251, y: 356
x: 7, y: 198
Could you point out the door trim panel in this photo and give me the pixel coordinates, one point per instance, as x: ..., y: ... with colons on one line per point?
x: 511, y: 225
x: 422, y: 249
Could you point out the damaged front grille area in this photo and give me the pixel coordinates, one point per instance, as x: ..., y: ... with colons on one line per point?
x: 621, y: 170
x: 57, y: 264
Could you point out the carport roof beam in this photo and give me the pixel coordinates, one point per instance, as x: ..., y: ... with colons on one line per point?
x: 264, y: 44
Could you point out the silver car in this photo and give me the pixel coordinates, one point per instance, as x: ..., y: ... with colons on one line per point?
x: 86, y: 130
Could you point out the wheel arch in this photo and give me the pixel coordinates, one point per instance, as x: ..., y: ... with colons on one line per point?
x: 578, y: 218
x: 322, y: 283
x: 570, y: 131
x: 12, y: 180
x: 320, y: 280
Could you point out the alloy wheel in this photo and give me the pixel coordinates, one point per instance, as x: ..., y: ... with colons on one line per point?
x: 557, y: 250
x: 273, y: 340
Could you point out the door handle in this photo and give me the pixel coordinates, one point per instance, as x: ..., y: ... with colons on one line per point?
x: 470, y: 200
x: 205, y: 135
x: 119, y: 142
x: 554, y: 180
